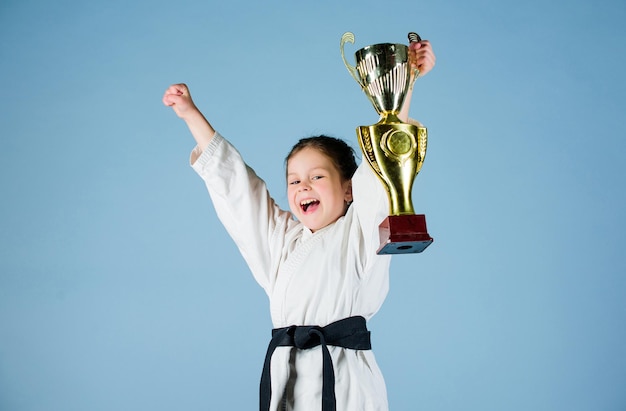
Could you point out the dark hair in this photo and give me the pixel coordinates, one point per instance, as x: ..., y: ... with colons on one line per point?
x: 340, y: 153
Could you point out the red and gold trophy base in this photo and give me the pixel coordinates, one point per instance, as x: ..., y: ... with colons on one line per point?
x: 404, y: 234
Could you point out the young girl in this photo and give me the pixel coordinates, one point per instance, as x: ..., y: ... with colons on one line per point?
x: 317, y: 263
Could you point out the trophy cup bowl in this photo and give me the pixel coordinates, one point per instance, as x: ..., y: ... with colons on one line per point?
x: 394, y: 150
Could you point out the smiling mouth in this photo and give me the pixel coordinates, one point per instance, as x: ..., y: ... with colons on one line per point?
x: 308, y: 203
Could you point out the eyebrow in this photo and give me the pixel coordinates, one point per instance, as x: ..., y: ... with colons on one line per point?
x: 319, y: 168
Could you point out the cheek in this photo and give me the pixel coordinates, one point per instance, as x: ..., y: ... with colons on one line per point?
x: 291, y: 193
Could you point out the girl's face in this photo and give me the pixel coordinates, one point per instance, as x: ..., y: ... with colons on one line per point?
x: 317, y: 194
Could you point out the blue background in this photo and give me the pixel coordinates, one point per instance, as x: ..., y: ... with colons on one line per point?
x: 120, y: 290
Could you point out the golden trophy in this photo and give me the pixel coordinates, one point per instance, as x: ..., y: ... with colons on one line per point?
x: 394, y: 150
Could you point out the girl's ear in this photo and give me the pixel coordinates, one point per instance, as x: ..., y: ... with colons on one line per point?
x: 348, y: 191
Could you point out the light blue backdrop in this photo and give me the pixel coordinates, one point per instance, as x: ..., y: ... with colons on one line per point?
x: 119, y: 289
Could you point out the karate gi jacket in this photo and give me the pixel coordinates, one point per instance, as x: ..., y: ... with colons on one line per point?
x: 310, y: 278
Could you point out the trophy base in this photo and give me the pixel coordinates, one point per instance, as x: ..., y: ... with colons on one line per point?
x: 403, y: 234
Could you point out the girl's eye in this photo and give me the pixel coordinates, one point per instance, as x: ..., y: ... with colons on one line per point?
x: 317, y: 177
x: 294, y: 182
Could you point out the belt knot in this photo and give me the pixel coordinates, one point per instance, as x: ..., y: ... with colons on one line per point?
x: 308, y: 337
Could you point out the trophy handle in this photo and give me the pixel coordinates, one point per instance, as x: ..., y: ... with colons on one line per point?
x: 414, y: 37
x: 416, y: 73
x: 348, y: 37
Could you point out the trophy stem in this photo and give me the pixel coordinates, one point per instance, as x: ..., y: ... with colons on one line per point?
x: 400, y: 203
x: 389, y: 117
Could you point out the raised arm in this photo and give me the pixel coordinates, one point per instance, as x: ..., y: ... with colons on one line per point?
x: 178, y: 97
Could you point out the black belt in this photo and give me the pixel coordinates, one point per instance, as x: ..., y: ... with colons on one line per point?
x: 347, y: 333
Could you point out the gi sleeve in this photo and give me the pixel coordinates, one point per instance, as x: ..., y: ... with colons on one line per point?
x: 243, y: 205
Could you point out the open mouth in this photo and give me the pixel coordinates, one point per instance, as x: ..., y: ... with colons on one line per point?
x: 309, y: 204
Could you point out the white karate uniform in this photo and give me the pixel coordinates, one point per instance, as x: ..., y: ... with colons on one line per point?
x: 310, y: 278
